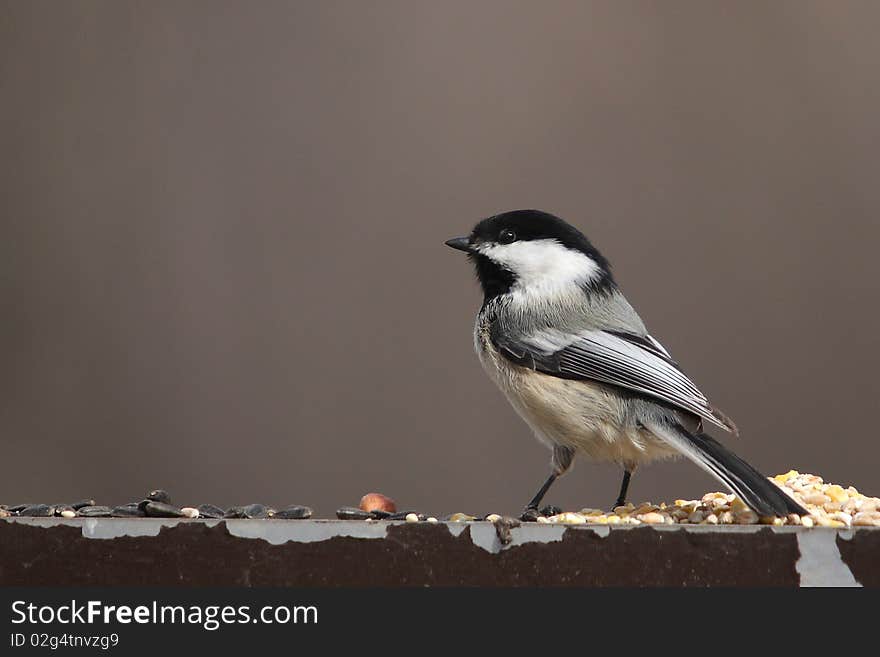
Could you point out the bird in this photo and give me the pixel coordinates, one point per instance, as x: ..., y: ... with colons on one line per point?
x: 574, y: 359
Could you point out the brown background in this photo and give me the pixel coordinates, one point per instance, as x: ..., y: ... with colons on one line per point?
x: 222, y: 262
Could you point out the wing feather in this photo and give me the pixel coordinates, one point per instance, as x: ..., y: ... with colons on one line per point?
x: 637, y: 363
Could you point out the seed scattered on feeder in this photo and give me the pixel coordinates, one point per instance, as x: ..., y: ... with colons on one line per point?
x: 377, y: 502
x: 161, y: 510
x: 293, y: 512
x: 159, y: 496
x: 210, y: 511
x: 401, y: 515
x: 94, y: 512
x: 37, y: 511
x: 651, y: 518
x: 247, y: 511
x: 132, y: 510
x: 351, y: 513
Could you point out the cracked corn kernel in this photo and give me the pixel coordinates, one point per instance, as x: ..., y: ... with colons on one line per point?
x: 569, y: 518
x: 651, y: 518
x: 461, y: 517
x: 836, y: 493
x: 791, y: 474
x: 866, y: 519
x: 737, y: 505
x: 824, y: 521
x: 746, y: 517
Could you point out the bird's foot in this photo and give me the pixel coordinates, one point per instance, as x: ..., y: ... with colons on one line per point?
x: 530, y: 514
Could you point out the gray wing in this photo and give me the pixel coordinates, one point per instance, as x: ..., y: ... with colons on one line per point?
x: 637, y: 363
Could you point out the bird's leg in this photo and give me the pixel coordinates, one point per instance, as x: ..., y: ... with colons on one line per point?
x: 624, y: 485
x: 536, y: 500
x: 561, y: 462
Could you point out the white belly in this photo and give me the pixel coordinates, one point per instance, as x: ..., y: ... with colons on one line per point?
x: 581, y: 415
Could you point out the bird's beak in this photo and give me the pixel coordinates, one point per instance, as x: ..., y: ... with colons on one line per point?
x: 460, y: 243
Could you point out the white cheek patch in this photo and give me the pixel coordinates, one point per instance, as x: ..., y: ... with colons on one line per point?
x: 542, y: 263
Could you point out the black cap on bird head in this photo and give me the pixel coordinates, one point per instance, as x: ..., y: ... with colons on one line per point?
x: 532, y: 247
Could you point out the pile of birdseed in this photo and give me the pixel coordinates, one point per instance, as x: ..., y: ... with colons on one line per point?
x: 830, y: 505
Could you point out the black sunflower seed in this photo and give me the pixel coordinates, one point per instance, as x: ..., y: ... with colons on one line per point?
x: 161, y: 510
x: 37, y: 511
x: 159, y: 496
x: 247, y: 511
x: 128, y: 511
x: 293, y: 512
x: 401, y: 515
x: 210, y: 511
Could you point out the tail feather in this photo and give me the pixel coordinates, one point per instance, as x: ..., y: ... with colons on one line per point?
x: 726, y: 421
x: 759, y: 493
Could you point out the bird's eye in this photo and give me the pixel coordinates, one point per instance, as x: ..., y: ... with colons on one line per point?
x: 506, y: 236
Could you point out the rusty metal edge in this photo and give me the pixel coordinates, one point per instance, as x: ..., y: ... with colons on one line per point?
x: 152, y: 551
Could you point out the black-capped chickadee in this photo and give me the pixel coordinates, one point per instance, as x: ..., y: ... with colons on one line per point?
x: 576, y: 362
